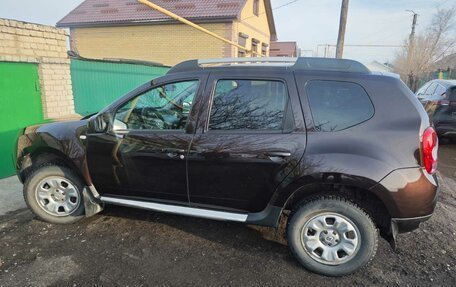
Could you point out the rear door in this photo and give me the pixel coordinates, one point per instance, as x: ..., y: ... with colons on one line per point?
x: 250, y: 137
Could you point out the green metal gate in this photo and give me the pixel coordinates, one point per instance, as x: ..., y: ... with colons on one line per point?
x: 20, y: 106
x: 98, y: 83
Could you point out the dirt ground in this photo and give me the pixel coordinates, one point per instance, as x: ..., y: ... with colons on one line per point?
x: 127, y: 247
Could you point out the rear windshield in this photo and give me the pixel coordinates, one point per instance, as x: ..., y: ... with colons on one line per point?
x: 338, y: 105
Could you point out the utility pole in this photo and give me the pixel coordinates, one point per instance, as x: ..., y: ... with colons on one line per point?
x: 412, y: 34
x: 411, y: 50
x: 342, y: 26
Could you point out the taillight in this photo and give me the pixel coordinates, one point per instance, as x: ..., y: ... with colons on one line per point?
x: 430, y: 147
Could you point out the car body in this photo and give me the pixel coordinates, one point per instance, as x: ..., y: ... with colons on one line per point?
x: 439, y: 100
x: 247, y: 139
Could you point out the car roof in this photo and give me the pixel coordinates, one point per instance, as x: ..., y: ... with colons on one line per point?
x: 445, y: 83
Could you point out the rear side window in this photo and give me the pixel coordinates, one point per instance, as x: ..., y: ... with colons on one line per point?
x: 248, y: 105
x: 338, y: 105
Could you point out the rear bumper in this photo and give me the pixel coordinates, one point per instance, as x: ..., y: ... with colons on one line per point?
x: 409, y: 193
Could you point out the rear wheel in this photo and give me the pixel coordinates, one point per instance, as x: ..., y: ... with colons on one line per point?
x: 54, y: 194
x: 332, y: 236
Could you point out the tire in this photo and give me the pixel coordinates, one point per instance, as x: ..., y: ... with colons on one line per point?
x: 61, y: 189
x: 324, y: 253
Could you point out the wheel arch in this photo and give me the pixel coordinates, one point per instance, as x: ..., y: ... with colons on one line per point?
x: 45, y: 156
x: 357, y: 189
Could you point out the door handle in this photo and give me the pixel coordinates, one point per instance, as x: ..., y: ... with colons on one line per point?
x: 175, y: 155
x: 278, y: 154
x: 120, y: 134
x: 174, y: 150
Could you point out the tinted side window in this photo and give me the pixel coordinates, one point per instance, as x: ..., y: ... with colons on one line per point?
x: 248, y: 105
x: 338, y: 105
x: 452, y: 94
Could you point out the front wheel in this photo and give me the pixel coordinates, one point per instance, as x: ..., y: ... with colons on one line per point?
x: 54, y: 194
x: 332, y: 236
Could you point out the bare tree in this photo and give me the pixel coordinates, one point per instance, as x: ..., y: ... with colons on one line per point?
x: 419, y: 55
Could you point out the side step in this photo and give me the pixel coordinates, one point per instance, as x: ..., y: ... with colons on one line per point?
x: 175, y: 209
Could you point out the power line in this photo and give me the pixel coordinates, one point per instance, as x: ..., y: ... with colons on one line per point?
x: 284, y: 5
x: 328, y: 47
x: 275, y: 8
x: 367, y: 45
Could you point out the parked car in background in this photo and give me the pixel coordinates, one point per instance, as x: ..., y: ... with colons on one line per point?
x: 341, y: 152
x: 439, y: 100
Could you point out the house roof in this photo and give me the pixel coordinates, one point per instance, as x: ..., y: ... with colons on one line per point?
x: 121, y: 12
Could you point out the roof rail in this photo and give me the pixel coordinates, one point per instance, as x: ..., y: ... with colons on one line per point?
x: 330, y: 64
x: 302, y: 63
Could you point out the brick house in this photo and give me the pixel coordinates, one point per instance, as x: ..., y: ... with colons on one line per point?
x: 283, y: 49
x: 131, y: 30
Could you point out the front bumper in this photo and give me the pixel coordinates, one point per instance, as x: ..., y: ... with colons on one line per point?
x: 402, y: 225
x: 445, y: 129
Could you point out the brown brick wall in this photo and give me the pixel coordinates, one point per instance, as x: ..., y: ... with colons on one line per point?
x: 168, y: 44
x: 47, y: 46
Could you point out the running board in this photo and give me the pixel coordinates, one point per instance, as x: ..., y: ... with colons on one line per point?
x: 175, y: 209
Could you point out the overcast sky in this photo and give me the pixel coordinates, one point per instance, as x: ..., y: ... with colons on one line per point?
x: 309, y: 22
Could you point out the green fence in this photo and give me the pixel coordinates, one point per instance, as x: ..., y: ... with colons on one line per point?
x: 96, y: 84
x: 20, y: 106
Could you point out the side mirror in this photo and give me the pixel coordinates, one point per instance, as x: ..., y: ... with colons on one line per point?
x: 186, y: 107
x: 98, y: 123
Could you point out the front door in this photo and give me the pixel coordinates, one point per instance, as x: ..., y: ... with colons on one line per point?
x: 143, y: 155
x: 248, y: 143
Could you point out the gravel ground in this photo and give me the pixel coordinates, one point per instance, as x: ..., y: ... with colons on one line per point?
x: 127, y: 247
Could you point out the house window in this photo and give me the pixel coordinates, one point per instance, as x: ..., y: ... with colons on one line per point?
x: 243, y: 42
x: 264, y: 49
x: 256, y: 7
x: 255, y: 43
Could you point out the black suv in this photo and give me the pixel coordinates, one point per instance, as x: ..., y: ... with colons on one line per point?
x: 439, y: 100
x: 341, y: 152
